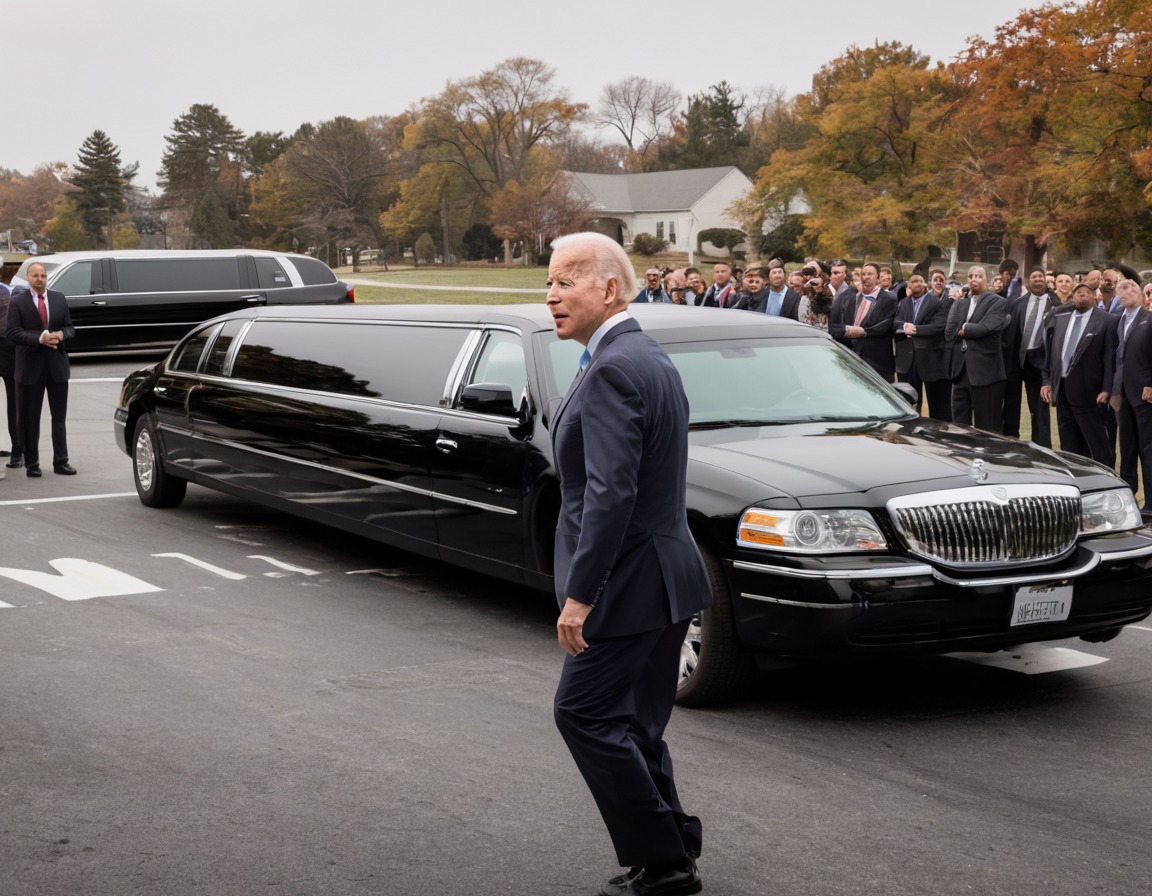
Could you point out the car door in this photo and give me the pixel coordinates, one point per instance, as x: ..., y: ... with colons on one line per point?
x: 484, y: 462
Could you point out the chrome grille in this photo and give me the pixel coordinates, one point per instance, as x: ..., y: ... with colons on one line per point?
x: 989, y: 524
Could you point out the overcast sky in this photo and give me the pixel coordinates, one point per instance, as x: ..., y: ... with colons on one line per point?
x: 130, y: 67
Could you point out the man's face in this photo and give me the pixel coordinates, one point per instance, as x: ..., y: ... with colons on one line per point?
x: 1148, y: 296
x: 1084, y: 299
x: 1050, y: 281
x: 839, y: 274
x: 938, y: 283
x: 1130, y: 296
x: 721, y: 274
x: 977, y: 281
x: 37, y: 278
x: 578, y: 304
x: 753, y: 282
x: 696, y: 284
x: 796, y: 280
x: 1092, y: 278
x: 1064, y: 286
x: 776, y: 278
x: 916, y: 286
x: 1037, y: 282
x: 869, y: 278
x: 885, y: 279
x: 1108, y: 281
x: 652, y: 281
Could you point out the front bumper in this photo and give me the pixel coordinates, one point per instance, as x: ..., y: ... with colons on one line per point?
x: 852, y: 605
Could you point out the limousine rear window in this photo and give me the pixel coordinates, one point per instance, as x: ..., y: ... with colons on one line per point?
x: 406, y: 364
x: 76, y: 279
x: 177, y: 274
x: 311, y: 270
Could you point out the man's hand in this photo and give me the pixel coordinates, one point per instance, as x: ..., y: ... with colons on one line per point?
x: 1102, y: 398
x: 1046, y: 394
x: 51, y: 339
x: 570, y: 626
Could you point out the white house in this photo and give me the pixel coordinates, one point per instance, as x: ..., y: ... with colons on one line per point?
x: 671, y: 205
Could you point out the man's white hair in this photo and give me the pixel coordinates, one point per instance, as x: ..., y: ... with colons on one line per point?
x: 603, y: 257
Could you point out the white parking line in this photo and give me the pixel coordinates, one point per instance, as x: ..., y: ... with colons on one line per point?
x: 1142, y: 628
x: 97, y: 379
x: 68, y: 498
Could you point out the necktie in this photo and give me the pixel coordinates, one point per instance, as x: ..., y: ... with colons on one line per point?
x: 43, y: 310
x: 1125, y: 323
x: 1073, y: 338
x: 584, y: 359
x: 1030, y: 326
x: 862, y: 309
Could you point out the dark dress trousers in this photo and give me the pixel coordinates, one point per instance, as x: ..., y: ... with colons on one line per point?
x: 41, y: 370
x: 623, y: 547
x: 920, y: 359
x: 976, y: 362
x: 1080, y: 420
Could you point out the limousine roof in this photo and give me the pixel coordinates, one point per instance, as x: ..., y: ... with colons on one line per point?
x: 666, y: 320
x: 64, y: 257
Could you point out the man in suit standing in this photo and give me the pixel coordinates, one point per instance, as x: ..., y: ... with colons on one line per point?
x: 40, y: 326
x: 1025, y: 358
x: 1132, y: 388
x: 8, y: 374
x: 975, y: 323
x: 722, y: 292
x: 653, y: 289
x: 1079, y: 376
x: 865, y: 322
x: 920, y: 361
x: 629, y: 577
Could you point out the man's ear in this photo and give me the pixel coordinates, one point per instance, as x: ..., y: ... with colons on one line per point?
x: 611, y: 291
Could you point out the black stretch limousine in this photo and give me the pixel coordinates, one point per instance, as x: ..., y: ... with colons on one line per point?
x: 832, y: 519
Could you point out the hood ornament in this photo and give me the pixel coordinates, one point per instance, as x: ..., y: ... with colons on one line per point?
x: 978, y: 473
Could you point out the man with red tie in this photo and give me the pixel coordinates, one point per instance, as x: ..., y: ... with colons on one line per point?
x: 40, y: 326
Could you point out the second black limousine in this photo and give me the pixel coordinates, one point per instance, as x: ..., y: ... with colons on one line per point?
x: 833, y: 520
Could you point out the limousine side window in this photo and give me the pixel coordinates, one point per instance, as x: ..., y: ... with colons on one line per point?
x: 76, y: 280
x: 269, y: 274
x: 312, y: 271
x: 501, y: 362
x: 407, y: 364
x: 187, y: 358
x: 214, y: 366
x: 177, y: 274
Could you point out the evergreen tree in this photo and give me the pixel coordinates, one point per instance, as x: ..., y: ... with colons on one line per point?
x: 100, y: 186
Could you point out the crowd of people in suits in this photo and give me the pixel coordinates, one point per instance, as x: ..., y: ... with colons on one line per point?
x: 976, y: 353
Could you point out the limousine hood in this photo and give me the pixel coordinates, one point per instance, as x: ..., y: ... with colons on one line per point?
x: 808, y: 461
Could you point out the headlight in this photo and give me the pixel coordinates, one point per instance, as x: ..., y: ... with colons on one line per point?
x: 1113, y: 511
x: 810, y: 531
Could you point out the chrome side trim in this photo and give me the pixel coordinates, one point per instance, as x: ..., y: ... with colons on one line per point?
x: 878, y: 572
x: 399, y: 486
x: 798, y: 603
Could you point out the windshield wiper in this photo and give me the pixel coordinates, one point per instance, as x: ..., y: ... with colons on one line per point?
x: 728, y: 424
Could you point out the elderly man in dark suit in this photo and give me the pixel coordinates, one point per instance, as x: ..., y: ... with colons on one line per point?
x: 1132, y: 387
x: 1079, y: 377
x: 973, y: 333
x: 920, y: 358
x: 864, y: 321
x: 629, y: 577
x: 40, y: 325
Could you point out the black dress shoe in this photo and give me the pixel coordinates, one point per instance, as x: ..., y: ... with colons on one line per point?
x: 14, y: 463
x: 680, y: 881
x: 618, y: 885
x: 34, y: 471
x: 64, y: 469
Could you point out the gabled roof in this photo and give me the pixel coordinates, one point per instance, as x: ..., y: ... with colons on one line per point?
x: 657, y: 191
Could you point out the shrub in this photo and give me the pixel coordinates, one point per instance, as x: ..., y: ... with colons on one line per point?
x: 648, y: 245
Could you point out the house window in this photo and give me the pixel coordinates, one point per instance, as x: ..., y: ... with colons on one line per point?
x: 672, y: 232
x: 659, y: 230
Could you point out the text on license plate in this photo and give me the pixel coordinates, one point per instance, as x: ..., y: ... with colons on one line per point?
x: 1041, y: 603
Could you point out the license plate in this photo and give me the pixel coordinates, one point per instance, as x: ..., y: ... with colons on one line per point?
x: 1041, y: 603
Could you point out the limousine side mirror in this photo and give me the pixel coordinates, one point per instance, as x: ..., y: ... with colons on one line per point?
x: 907, y: 392
x: 489, y: 398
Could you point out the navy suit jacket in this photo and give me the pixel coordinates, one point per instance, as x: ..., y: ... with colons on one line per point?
x: 1135, y: 372
x: 1091, y: 370
x: 980, y: 348
x: 35, y: 362
x: 925, y: 350
x: 620, y: 443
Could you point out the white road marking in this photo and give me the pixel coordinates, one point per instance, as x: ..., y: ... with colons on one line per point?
x: 80, y: 580
x: 97, y: 379
x: 285, y: 566
x: 235, y: 576
x: 1032, y: 659
x: 68, y: 498
x: 4, y: 606
x: 1141, y: 628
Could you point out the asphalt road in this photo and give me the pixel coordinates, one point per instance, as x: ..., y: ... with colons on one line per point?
x: 218, y: 699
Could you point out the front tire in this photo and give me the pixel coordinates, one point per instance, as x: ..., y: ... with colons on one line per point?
x: 714, y: 665
x: 155, y: 486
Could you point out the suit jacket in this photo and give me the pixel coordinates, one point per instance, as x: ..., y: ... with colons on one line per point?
x: 620, y: 443
x: 789, y: 307
x: 35, y: 362
x: 925, y: 350
x: 876, y: 346
x: 979, y: 351
x: 1091, y: 369
x: 660, y: 296
x: 710, y: 299
x: 7, y: 349
x: 1135, y: 372
x: 1014, y: 334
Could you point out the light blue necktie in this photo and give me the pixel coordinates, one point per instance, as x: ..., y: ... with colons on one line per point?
x: 1073, y: 338
x: 584, y: 359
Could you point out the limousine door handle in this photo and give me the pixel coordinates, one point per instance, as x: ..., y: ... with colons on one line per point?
x: 252, y: 299
x: 99, y: 302
x: 446, y: 445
